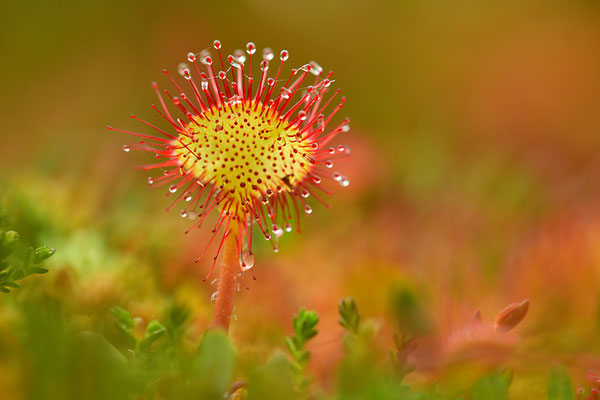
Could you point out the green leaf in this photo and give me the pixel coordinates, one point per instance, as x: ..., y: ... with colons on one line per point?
x: 105, y: 347
x: 8, y: 243
x: 490, y: 387
x: 214, y: 364
x: 274, y: 381
x: 291, y: 345
x: 409, y: 311
x: 153, y: 332
x: 12, y: 284
x: 178, y: 315
x: 303, y: 357
x: 349, y: 317
x: 42, y: 253
x: 3, y: 265
x: 13, y: 272
x: 304, y: 324
x: 124, y: 323
x: 559, y: 385
x: 122, y: 318
x: 154, y: 328
x: 175, y: 320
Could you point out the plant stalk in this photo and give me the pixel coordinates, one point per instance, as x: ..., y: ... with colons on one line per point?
x: 227, y: 283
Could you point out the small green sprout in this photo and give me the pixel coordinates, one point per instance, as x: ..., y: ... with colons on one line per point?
x: 126, y: 325
x: 304, y: 329
x: 349, y: 317
x: 13, y: 269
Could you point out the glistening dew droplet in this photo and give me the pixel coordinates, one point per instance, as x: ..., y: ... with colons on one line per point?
x: 277, y: 231
x: 246, y: 260
x: 268, y: 54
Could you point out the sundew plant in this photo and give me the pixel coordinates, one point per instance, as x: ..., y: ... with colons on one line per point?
x: 233, y: 236
x: 251, y: 151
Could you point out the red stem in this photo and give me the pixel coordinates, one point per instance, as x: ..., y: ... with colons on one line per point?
x: 227, y: 283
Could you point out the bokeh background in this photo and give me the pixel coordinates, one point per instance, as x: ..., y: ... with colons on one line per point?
x: 474, y: 173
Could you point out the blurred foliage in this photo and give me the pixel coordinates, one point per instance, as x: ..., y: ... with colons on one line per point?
x: 17, y: 268
x: 101, y: 350
x: 126, y: 325
x: 490, y: 387
x: 304, y: 329
x: 349, y: 317
x: 409, y: 312
x: 559, y: 385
